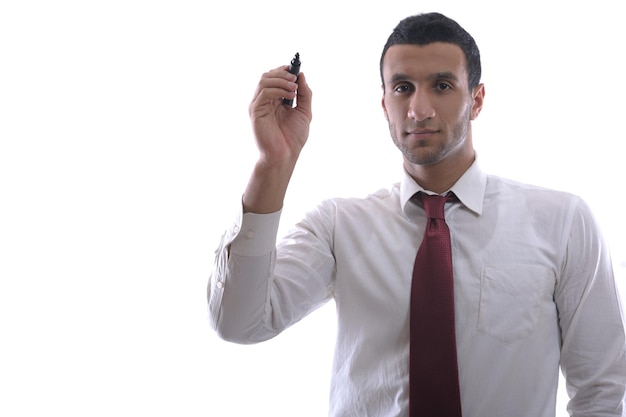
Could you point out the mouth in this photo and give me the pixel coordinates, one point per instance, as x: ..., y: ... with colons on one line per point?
x: 422, y: 133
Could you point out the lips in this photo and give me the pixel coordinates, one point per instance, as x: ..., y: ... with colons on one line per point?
x: 422, y: 133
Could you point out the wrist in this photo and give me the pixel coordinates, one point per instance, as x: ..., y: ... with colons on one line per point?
x: 267, y: 187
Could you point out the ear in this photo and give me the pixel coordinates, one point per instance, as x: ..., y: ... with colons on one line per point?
x: 382, y: 102
x: 477, y: 100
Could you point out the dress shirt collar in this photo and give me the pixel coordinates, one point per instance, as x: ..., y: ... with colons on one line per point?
x: 469, y: 189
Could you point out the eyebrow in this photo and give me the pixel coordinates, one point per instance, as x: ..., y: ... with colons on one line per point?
x: 446, y: 75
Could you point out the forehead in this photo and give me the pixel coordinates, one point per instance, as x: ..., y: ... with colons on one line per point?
x: 422, y: 61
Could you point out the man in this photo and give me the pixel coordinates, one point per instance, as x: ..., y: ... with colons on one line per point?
x: 533, y: 287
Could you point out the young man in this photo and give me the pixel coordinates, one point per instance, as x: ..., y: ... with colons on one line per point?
x: 533, y: 287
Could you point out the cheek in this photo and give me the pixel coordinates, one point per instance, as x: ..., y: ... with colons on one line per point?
x: 457, y: 113
x: 392, y: 114
x: 393, y: 133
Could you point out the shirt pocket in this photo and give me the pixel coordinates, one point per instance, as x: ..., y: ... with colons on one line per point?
x: 511, y: 299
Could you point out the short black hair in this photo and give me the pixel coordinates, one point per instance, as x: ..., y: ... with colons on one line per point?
x: 427, y: 28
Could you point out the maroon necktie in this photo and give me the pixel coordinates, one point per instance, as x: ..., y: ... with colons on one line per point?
x: 433, y: 374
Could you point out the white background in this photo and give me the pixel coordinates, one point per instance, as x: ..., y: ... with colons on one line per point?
x: 125, y: 146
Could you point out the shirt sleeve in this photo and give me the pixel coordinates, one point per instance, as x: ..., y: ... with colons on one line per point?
x: 258, y: 288
x: 593, y: 357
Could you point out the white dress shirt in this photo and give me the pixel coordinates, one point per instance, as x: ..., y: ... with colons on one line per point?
x: 534, y: 289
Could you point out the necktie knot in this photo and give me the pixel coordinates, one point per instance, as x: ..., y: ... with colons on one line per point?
x: 434, y: 204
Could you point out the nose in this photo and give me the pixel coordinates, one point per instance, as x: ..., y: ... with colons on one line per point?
x: 420, y: 106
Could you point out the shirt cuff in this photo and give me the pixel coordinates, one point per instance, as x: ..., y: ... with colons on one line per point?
x: 257, y: 234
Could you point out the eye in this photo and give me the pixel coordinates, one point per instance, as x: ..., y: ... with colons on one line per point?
x: 442, y: 86
x: 402, y: 88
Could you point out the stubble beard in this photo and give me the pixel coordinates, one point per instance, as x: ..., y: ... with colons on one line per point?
x: 420, y: 156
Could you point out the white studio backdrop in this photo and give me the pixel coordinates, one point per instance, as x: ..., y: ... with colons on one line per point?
x: 125, y: 146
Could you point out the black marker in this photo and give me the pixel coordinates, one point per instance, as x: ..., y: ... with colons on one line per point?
x: 294, y: 68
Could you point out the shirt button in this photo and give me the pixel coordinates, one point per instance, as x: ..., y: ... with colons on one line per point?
x: 236, y: 229
x: 219, y: 284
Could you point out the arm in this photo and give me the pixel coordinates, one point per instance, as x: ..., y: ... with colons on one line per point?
x: 593, y: 355
x: 239, y: 284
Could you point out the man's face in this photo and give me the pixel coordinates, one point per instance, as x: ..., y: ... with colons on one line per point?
x: 427, y: 102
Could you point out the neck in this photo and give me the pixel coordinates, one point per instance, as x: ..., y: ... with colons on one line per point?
x: 440, y: 177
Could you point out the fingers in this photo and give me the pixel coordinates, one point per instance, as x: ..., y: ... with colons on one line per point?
x: 276, y: 84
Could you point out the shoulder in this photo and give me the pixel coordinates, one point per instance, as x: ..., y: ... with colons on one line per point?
x: 500, y: 187
x: 384, y: 197
x: 382, y: 202
x: 534, y: 200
